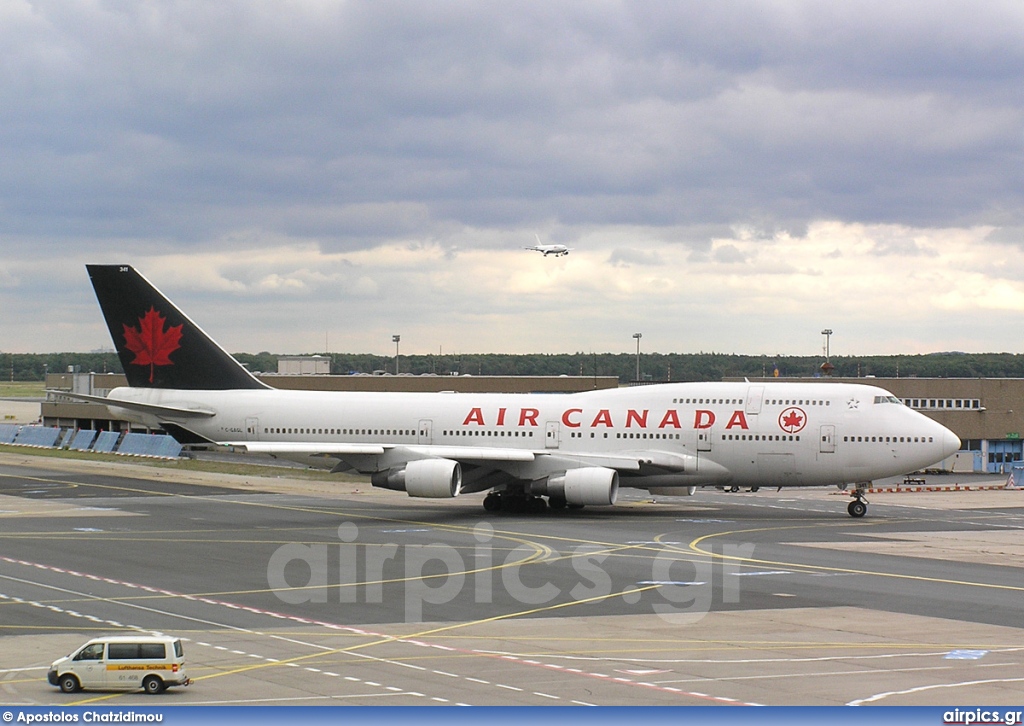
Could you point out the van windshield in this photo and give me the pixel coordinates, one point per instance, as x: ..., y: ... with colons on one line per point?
x: 91, y: 652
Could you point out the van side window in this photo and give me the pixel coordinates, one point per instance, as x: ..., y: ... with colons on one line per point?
x: 178, y: 651
x: 123, y: 651
x: 152, y: 650
x: 91, y: 652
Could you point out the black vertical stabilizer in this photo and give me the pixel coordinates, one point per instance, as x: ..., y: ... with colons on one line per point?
x: 158, y: 345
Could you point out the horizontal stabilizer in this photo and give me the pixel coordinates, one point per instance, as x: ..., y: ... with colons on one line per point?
x: 151, y: 408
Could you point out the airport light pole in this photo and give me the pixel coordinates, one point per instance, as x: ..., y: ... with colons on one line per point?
x: 395, y: 339
x: 827, y: 367
x: 637, y: 336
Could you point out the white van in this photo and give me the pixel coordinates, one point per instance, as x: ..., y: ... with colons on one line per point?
x: 124, y: 662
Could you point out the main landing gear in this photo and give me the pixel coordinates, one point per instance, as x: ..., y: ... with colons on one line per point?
x: 859, y: 506
x: 522, y: 503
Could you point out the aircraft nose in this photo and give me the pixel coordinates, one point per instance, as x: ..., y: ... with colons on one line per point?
x: 950, y: 442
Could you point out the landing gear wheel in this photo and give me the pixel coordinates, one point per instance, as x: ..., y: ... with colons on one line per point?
x: 536, y: 505
x: 576, y: 506
x: 557, y: 503
x: 492, y: 502
x: 857, y: 508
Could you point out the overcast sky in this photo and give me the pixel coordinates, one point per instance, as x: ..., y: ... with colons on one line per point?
x: 310, y: 175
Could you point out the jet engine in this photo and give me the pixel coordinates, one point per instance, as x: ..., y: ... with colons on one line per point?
x: 432, y: 478
x: 589, y: 485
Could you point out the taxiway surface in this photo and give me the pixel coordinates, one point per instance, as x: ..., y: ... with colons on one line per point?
x: 297, y: 592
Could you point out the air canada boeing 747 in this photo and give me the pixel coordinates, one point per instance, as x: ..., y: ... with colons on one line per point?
x: 527, y: 452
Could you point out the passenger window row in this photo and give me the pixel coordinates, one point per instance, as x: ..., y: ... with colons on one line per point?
x: 710, y: 401
x: 338, y: 432
x: 798, y: 402
x: 889, y: 439
x: 479, y: 432
x: 768, y: 402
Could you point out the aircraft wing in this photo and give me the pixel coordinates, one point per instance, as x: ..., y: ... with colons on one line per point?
x: 626, y: 461
x: 307, y: 449
x: 459, y: 453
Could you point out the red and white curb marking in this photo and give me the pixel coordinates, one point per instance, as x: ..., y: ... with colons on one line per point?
x: 950, y: 488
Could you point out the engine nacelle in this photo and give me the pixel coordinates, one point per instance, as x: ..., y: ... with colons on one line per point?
x: 431, y: 478
x: 590, y: 485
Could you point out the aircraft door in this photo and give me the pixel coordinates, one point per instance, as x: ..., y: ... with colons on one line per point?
x: 252, y: 429
x: 424, y: 434
x: 551, y: 435
x: 704, y: 437
x: 828, y: 439
x: 754, y: 396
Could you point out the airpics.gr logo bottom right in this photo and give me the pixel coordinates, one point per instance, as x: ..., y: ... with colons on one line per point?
x: 982, y: 716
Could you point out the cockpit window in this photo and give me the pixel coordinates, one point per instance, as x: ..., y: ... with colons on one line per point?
x: 888, y: 399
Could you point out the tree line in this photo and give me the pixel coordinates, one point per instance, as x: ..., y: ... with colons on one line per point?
x: 653, y: 366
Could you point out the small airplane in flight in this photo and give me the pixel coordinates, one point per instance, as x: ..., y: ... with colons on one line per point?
x: 524, y: 452
x: 556, y: 250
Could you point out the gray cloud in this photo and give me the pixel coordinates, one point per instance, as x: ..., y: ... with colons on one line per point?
x: 154, y: 128
x: 625, y: 257
x: 729, y: 254
x: 588, y: 113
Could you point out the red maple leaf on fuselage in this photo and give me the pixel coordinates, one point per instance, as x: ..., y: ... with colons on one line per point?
x: 151, y: 344
x: 792, y: 420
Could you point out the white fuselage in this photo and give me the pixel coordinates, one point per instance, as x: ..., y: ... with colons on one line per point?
x: 768, y: 434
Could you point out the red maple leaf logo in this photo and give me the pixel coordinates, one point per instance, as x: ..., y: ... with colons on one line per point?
x: 151, y: 344
x: 792, y: 420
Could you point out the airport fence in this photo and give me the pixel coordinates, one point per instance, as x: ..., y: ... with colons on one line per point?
x: 157, y: 446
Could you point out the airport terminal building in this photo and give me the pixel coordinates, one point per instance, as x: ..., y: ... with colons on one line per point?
x: 986, y: 413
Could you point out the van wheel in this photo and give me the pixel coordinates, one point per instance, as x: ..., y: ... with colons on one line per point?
x: 152, y: 685
x: 69, y: 684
